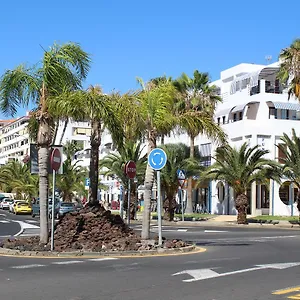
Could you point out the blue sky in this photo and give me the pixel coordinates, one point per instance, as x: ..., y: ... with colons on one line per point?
x: 148, y: 38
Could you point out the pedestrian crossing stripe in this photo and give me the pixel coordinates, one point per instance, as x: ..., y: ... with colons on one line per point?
x: 287, y: 291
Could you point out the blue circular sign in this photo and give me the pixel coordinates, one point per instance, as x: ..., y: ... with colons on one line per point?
x: 157, y: 159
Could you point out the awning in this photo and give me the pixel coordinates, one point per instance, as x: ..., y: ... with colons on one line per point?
x: 286, y: 105
x: 238, y: 108
x: 223, y: 112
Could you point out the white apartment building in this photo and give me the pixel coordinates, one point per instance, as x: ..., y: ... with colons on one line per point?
x: 255, y: 110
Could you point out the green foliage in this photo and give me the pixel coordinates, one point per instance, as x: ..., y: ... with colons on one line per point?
x: 113, y: 164
x: 195, y: 106
x: 17, y: 178
x: 290, y: 68
x: 240, y: 167
x: 291, y: 157
x: 178, y: 158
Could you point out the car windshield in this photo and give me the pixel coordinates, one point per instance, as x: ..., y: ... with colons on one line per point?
x: 65, y: 204
x: 22, y: 204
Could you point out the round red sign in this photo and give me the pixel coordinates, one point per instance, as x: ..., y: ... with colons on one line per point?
x: 55, y: 159
x: 130, y: 169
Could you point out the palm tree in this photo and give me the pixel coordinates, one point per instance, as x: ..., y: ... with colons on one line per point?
x: 62, y: 68
x: 291, y: 160
x: 240, y: 168
x: 155, y: 104
x: 290, y: 68
x: 73, y: 176
x: 196, y: 107
x: 178, y: 159
x: 113, y: 165
x: 99, y: 108
x: 21, y: 182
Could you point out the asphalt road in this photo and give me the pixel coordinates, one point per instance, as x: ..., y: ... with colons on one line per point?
x: 240, y: 263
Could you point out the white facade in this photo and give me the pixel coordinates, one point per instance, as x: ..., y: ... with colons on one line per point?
x: 14, y: 140
x: 256, y: 110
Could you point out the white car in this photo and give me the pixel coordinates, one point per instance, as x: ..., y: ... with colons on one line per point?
x: 12, y: 204
x: 4, y: 204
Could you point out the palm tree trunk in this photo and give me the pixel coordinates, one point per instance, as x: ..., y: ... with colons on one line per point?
x: 43, y: 162
x: 148, y: 183
x: 189, y: 204
x: 63, y: 131
x: 241, y: 204
x: 94, y: 162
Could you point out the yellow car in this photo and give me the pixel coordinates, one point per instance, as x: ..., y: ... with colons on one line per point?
x: 22, y: 207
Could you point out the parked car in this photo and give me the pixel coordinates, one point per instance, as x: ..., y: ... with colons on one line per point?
x: 12, y: 205
x: 4, y: 204
x: 36, y: 207
x: 22, y: 207
x: 66, y: 207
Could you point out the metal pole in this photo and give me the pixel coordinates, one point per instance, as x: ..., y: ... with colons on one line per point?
x: 121, y: 202
x: 53, y: 212
x: 159, y: 209
x: 182, y: 208
x: 128, y: 205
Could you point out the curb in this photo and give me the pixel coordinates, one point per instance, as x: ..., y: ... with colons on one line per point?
x: 192, y: 249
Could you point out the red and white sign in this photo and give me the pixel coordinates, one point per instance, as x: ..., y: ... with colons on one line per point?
x: 181, y: 182
x: 55, y: 159
x: 130, y: 169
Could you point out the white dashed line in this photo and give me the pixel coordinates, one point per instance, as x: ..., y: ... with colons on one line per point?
x: 214, y: 231
x: 67, y: 262
x: 102, y: 259
x: 28, y: 266
x: 182, y: 230
x: 3, y: 221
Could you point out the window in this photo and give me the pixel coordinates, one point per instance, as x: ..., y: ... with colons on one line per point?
x: 241, y: 115
x: 224, y: 119
x: 218, y: 121
x: 234, y: 117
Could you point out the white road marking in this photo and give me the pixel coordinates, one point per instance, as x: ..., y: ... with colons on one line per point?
x: 69, y: 262
x: 4, y: 221
x: 214, y: 231
x: 31, y: 221
x: 102, y: 259
x: 28, y: 266
x: 182, y: 230
x: 202, y: 274
x: 25, y: 225
x: 2, y: 215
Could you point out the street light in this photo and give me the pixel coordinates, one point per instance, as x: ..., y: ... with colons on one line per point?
x: 136, y: 196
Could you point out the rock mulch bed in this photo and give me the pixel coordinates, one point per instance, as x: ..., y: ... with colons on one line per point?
x: 92, y: 229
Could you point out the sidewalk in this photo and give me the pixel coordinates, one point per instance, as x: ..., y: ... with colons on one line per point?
x: 224, y: 221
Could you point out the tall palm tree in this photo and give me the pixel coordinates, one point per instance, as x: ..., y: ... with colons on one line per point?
x: 113, y: 165
x: 178, y: 159
x: 291, y: 160
x: 91, y: 104
x: 240, y: 168
x: 196, y: 107
x: 155, y: 103
x: 63, y: 67
x: 290, y: 68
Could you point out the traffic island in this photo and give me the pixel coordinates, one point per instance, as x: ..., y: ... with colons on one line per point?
x: 92, y: 230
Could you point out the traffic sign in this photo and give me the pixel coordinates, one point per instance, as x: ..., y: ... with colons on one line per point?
x: 55, y: 159
x: 157, y: 159
x: 181, y: 177
x: 130, y: 169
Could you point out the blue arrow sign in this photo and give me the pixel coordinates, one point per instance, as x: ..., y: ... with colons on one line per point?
x: 157, y: 159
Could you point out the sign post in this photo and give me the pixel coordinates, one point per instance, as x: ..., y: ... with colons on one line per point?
x: 55, y: 165
x: 130, y: 171
x: 181, y: 180
x: 157, y: 159
x: 121, y: 201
